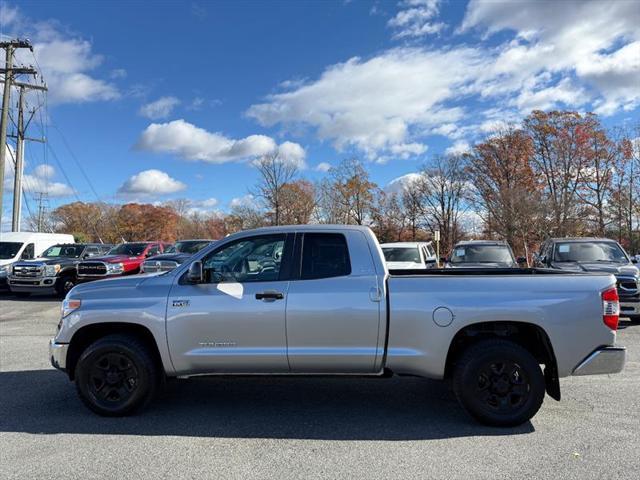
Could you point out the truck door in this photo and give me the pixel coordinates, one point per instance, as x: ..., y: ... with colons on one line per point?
x: 334, y: 305
x: 235, y: 321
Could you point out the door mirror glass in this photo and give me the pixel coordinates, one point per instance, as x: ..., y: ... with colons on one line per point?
x: 195, y: 273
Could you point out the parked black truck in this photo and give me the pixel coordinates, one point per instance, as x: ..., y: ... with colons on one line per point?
x: 55, y: 271
x: 598, y: 255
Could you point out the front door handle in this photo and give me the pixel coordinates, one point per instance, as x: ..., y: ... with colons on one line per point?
x: 269, y: 295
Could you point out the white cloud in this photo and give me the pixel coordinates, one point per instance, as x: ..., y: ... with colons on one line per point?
x: 150, y: 183
x: 65, y: 60
x: 189, y: 142
x: 459, y: 147
x: 323, y: 167
x: 574, y: 55
x: 203, y: 207
x: 160, y: 108
x: 244, y: 201
x: 373, y: 104
x: 118, y: 73
x: 292, y: 153
x: 595, y: 41
x: 397, y: 185
x: 40, y: 181
x: 416, y: 18
x: 44, y: 171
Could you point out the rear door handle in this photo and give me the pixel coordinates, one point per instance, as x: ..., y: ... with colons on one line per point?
x: 269, y: 295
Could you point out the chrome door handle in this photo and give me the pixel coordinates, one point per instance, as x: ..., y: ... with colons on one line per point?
x: 269, y: 295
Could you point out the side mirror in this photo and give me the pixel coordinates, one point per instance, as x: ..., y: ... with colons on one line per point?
x: 195, y: 273
x: 634, y: 260
x: 521, y: 260
x: 444, y: 259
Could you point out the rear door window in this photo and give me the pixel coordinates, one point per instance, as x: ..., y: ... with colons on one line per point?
x: 324, y: 255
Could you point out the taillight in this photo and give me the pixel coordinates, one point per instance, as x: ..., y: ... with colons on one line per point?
x: 611, y: 308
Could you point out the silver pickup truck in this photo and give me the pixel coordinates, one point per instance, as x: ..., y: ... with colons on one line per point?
x: 318, y: 299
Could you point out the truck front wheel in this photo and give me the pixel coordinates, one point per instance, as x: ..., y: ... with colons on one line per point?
x: 65, y: 284
x: 116, y: 376
x: 499, y: 383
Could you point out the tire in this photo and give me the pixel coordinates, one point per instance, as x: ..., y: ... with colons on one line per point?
x: 499, y: 383
x: 116, y: 376
x: 64, y: 284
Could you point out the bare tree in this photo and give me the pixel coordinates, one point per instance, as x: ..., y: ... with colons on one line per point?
x: 275, y: 172
x: 444, y: 188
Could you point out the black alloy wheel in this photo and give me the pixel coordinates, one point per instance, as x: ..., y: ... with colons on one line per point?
x: 499, y: 383
x: 117, y: 375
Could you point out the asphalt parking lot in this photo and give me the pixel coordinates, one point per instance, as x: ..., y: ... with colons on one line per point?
x: 301, y: 428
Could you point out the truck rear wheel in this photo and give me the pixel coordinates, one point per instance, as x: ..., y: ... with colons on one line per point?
x: 116, y: 376
x: 499, y: 383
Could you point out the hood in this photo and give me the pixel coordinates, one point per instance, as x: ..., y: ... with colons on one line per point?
x: 176, y: 257
x: 131, y: 281
x: 48, y: 261
x: 113, y: 259
x: 404, y: 266
x: 599, y: 267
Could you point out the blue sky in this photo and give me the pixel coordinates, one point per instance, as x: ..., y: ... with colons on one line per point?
x: 174, y: 99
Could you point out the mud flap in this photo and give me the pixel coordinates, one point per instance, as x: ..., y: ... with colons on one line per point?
x: 552, y: 381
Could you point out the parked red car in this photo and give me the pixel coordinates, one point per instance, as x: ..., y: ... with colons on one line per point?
x: 123, y: 259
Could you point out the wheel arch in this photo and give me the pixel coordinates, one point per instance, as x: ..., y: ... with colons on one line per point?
x: 530, y: 336
x: 88, y: 334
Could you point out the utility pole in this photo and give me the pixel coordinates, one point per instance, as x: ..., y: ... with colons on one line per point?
x: 20, y: 138
x: 9, y: 71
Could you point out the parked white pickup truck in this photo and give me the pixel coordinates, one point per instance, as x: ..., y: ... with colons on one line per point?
x: 320, y: 300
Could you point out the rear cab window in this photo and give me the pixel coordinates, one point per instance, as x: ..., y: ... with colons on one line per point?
x: 324, y: 255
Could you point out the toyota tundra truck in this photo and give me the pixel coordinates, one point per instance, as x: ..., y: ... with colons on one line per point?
x: 308, y: 300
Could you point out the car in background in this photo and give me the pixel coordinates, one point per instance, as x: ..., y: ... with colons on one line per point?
x: 483, y: 254
x: 598, y: 255
x: 16, y: 246
x: 173, y: 256
x: 409, y: 255
x: 55, y: 271
x: 123, y: 259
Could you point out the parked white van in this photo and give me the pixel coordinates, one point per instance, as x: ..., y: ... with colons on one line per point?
x: 409, y: 255
x: 16, y: 246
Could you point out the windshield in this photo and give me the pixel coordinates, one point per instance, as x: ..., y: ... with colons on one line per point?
x: 401, y: 254
x: 67, y: 251
x: 482, y: 254
x: 589, y: 252
x: 131, y: 249
x: 9, y: 249
x: 191, y: 246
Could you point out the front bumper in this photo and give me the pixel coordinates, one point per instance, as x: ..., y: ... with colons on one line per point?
x: 34, y: 284
x: 58, y: 354
x: 629, y: 307
x: 604, y: 360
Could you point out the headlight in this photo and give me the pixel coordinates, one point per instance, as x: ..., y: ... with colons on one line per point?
x: 69, y: 306
x: 51, y: 270
x: 114, y: 268
x: 5, y: 269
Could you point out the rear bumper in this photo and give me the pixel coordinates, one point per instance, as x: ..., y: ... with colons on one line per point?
x: 602, y: 361
x: 58, y: 354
